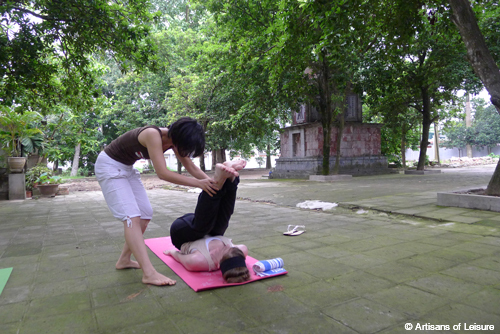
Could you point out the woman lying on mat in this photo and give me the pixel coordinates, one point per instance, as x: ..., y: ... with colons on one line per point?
x: 199, y: 235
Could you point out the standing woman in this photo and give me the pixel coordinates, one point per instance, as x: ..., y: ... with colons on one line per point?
x: 125, y: 194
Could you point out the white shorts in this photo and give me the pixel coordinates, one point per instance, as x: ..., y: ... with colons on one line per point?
x: 122, y: 189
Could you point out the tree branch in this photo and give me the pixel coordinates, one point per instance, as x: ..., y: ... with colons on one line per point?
x: 43, y: 17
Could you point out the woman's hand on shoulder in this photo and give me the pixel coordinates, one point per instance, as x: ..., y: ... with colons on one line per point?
x: 209, y: 186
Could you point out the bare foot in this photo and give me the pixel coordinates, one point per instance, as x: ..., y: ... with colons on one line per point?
x: 123, y: 264
x: 236, y: 164
x: 222, y: 173
x: 157, y: 279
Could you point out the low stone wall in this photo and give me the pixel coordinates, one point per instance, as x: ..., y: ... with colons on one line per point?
x: 464, y: 162
x: 301, y: 168
x: 469, y: 201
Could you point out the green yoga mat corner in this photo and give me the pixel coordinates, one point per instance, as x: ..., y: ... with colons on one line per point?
x: 4, y: 277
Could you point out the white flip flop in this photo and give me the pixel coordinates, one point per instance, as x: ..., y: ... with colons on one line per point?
x: 293, y: 230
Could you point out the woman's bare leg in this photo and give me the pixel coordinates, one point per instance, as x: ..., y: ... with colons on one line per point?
x: 125, y: 261
x: 136, y: 245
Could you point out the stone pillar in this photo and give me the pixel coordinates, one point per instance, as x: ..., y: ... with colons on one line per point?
x: 17, y: 186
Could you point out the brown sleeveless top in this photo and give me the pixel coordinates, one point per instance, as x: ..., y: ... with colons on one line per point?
x: 127, y: 149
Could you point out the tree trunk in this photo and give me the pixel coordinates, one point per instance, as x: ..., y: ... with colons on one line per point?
x: 478, y: 53
x: 494, y: 185
x: 468, y: 123
x: 223, y: 157
x: 340, y: 131
x: 202, y: 162
x: 327, y: 132
x: 403, y: 148
x: 268, y: 157
x: 326, y: 111
x: 426, y: 124
x: 218, y: 157
x: 436, y: 143
x: 179, y: 167
x: 76, y: 159
x: 468, y: 149
x: 482, y: 62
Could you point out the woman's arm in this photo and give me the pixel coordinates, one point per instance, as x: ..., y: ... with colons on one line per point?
x: 191, y: 167
x: 151, y: 139
x: 192, y: 262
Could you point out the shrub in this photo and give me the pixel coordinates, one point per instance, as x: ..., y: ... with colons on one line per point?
x: 494, y: 156
x: 395, y: 159
x: 34, y: 173
x: 45, y: 178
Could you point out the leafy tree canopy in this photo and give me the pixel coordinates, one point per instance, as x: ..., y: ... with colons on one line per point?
x: 420, y: 71
x: 483, y: 132
x: 33, y: 33
x: 486, y: 125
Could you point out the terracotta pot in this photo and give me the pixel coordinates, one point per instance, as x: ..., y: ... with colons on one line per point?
x: 48, y: 190
x: 16, y: 164
x: 28, y: 194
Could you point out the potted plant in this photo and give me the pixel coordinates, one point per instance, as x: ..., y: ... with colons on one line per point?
x: 16, y: 127
x: 32, y: 176
x: 48, y: 185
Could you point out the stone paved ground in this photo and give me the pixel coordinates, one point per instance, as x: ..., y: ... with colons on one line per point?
x: 371, y: 272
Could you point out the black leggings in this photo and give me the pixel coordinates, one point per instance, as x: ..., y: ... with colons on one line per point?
x: 211, y: 216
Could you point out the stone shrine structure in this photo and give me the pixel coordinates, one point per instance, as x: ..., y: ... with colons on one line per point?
x: 302, y: 145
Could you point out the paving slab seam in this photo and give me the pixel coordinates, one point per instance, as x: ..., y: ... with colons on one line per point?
x: 352, y: 206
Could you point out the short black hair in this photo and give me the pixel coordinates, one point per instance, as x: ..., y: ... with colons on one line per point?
x: 187, y: 136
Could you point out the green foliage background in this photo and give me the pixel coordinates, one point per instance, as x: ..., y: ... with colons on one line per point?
x: 96, y: 69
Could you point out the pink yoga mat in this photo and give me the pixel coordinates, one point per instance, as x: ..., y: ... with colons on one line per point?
x: 198, y: 281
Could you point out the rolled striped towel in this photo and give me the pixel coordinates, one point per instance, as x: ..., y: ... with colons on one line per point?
x: 268, y: 267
